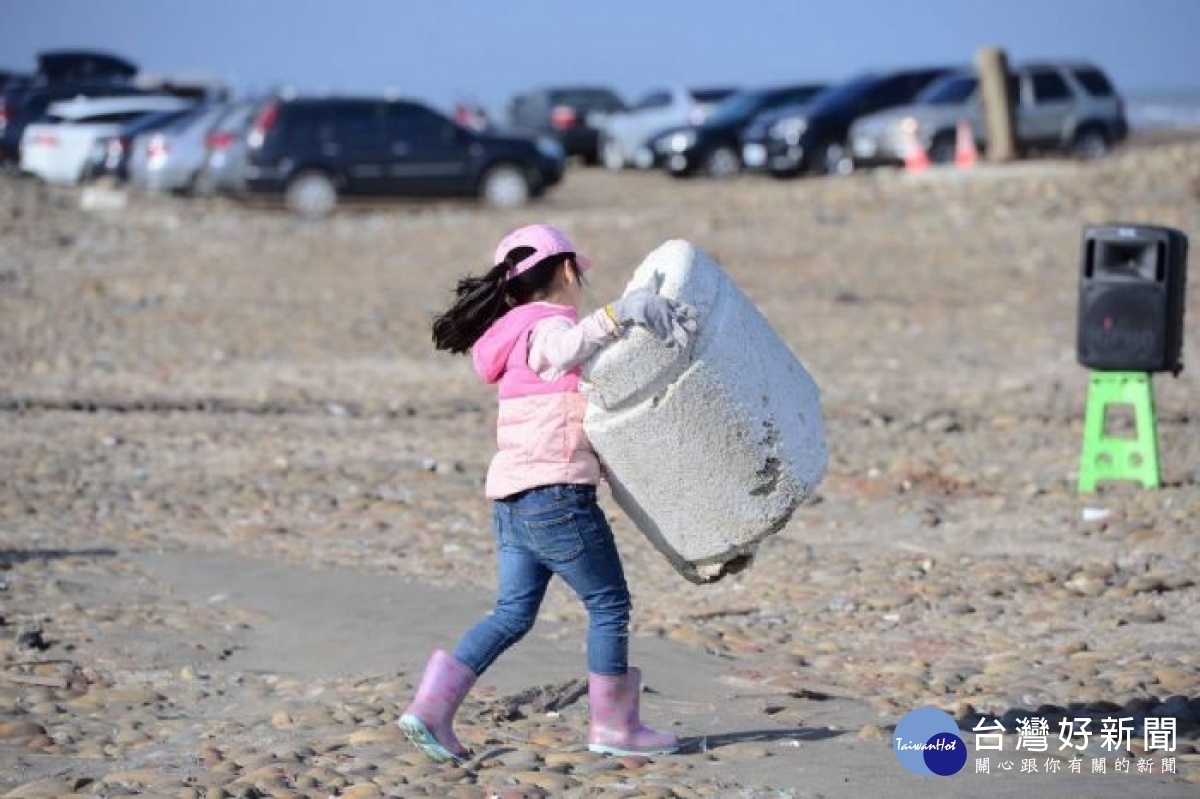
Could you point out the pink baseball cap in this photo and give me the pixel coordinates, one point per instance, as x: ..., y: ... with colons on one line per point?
x: 545, y: 241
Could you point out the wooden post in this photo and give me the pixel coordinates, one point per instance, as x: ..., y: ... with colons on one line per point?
x: 998, y: 104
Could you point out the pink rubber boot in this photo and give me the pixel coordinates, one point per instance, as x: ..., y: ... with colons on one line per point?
x: 616, y: 727
x: 428, y: 721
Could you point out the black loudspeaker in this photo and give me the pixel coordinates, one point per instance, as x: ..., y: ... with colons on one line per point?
x: 1131, y: 298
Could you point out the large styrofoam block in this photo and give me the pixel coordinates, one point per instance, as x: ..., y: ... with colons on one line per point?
x: 711, y: 448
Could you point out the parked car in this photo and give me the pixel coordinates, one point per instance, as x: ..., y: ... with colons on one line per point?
x: 56, y: 148
x: 312, y: 151
x: 713, y: 147
x: 110, y: 155
x: 1069, y: 107
x: 171, y: 157
x: 573, y: 115
x: 813, y: 138
x: 27, y: 103
x: 884, y: 138
x: 226, y: 148
x: 624, y: 134
x: 1086, y: 122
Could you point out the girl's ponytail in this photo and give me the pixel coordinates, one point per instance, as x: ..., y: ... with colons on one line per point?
x: 480, y: 301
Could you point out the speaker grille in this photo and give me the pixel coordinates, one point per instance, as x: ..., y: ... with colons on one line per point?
x: 1122, y: 327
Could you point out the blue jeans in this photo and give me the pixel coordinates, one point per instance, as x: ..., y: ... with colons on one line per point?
x: 555, y: 529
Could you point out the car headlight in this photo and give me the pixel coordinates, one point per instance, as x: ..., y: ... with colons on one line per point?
x: 550, y: 148
x: 681, y: 141
x: 789, y: 129
x: 910, y: 125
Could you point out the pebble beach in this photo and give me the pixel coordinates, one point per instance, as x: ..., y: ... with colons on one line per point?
x: 242, y: 498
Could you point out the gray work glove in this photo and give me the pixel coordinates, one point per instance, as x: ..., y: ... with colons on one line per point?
x: 672, y: 322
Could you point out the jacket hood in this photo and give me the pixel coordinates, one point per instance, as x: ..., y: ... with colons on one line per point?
x: 491, y: 352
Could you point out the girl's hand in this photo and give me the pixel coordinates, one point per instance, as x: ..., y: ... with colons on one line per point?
x: 670, y: 321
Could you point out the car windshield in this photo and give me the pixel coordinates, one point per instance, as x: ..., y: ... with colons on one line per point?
x: 951, y: 90
x: 237, y: 118
x: 737, y: 107
x: 842, y: 94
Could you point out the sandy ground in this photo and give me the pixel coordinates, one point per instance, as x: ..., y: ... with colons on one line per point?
x: 242, y: 499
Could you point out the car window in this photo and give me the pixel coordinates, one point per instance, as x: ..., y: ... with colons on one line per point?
x: 1094, y: 82
x: 414, y: 123
x: 653, y: 100
x: 710, y: 95
x: 355, y: 121
x: 1049, y: 87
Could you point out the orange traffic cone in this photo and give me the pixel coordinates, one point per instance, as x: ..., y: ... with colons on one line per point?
x: 965, y: 153
x: 915, y: 157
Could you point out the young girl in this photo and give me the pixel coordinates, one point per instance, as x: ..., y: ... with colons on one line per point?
x: 520, y: 323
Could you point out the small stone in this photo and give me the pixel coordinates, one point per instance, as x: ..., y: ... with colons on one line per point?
x: 373, y: 735
x: 1144, y: 614
x: 518, y: 759
x: 20, y: 730
x: 870, y: 732
x: 553, y: 784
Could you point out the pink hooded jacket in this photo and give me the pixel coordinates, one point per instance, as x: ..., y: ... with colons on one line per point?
x: 539, y: 431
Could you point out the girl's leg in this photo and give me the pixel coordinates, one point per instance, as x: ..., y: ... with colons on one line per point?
x: 521, y: 587
x: 598, y: 579
x: 614, y: 688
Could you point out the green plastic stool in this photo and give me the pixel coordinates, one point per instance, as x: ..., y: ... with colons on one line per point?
x: 1108, y: 458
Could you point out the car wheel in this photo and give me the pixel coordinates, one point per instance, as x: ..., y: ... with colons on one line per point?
x: 1090, y: 143
x: 504, y: 186
x: 610, y: 153
x: 723, y: 163
x: 836, y: 159
x: 311, y: 194
x: 943, y: 148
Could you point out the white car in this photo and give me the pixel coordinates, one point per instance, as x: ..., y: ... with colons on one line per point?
x: 624, y: 135
x: 56, y: 148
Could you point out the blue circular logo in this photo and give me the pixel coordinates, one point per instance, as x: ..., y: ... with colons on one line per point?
x: 926, y: 742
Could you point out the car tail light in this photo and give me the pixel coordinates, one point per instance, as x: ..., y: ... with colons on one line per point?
x: 563, y: 117
x: 46, y: 139
x: 262, y: 124
x: 3, y: 117
x: 218, y: 141
x: 156, y: 148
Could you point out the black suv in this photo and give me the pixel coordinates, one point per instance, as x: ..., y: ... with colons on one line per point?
x: 713, y: 148
x: 314, y: 150
x: 813, y: 138
x: 570, y: 114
